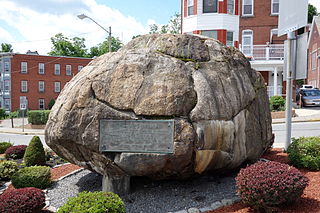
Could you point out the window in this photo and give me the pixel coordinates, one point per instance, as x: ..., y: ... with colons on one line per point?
x: 41, y: 86
x: 68, y: 69
x: 41, y: 68
x: 57, y: 69
x: 56, y: 86
x: 80, y: 68
x: 210, y: 6
x: 247, y: 7
x: 247, y: 42
x: 6, y: 86
x: 314, y: 60
x: 6, y: 66
x: 7, y: 104
x: 24, y: 67
x: 210, y: 33
x: 41, y: 104
x: 190, y: 6
x: 274, y: 7
x: 230, y: 7
x: 24, y: 86
x: 229, y: 39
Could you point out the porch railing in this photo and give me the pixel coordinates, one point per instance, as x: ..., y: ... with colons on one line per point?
x: 270, y: 91
x: 263, y: 52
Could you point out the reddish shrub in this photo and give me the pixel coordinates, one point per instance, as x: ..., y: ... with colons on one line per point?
x: 16, y: 152
x: 22, y: 200
x: 268, y: 184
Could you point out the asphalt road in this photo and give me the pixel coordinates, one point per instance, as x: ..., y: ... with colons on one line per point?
x: 298, y: 130
x: 19, y: 139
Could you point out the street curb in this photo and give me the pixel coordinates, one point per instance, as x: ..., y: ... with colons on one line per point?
x: 297, y: 121
x: 21, y: 133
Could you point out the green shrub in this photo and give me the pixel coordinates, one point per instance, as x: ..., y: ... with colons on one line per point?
x: 7, y: 169
x: 34, y: 176
x: 4, y: 146
x: 97, y: 202
x: 13, y: 114
x: 38, y: 117
x: 2, y: 113
x: 35, y: 154
x: 51, y: 103
x: 304, y: 152
x: 265, y: 185
x: 277, y: 103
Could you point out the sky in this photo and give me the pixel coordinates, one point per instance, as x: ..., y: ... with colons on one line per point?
x: 29, y: 24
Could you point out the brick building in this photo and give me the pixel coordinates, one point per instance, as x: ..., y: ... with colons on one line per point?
x: 36, y: 78
x: 250, y: 25
x: 314, y: 53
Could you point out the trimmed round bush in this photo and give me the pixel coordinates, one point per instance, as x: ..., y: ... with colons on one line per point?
x: 4, y: 146
x: 35, y: 154
x: 33, y: 176
x: 26, y: 200
x: 7, y: 169
x: 304, y: 152
x: 265, y: 185
x: 94, y: 202
x: 15, y: 152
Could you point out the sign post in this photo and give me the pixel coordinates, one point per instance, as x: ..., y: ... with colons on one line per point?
x: 292, y: 16
x: 23, y: 107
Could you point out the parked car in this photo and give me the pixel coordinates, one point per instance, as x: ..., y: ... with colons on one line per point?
x: 309, y: 97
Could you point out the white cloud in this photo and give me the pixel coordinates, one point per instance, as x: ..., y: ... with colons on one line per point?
x: 34, y: 24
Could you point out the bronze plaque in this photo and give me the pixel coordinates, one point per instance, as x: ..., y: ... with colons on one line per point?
x: 136, y: 136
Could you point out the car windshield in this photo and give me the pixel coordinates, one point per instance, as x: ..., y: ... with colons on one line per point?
x: 312, y: 93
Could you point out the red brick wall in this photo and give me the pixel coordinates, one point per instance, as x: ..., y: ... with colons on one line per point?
x: 261, y: 23
x: 33, y: 77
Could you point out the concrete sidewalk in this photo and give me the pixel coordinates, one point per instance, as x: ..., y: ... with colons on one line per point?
x: 304, y: 115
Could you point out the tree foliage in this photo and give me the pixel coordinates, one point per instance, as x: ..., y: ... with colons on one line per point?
x: 312, y: 11
x: 5, y: 47
x: 75, y: 47
x: 174, y: 26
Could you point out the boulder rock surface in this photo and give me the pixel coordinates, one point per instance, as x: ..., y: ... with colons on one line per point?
x: 219, y: 104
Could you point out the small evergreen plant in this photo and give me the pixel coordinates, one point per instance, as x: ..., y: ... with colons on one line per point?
x: 4, y: 146
x: 7, y: 169
x: 35, y: 154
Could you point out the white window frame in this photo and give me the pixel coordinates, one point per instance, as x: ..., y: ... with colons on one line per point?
x: 272, y: 3
x: 231, y: 43
x: 41, y: 68
x: 250, y: 53
x: 68, y: 69
x: 24, y: 67
x: 41, y: 86
x: 6, y: 86
x: 57, y: 69
x: 233, y: 8
x: 7, y: 103
x: 57, y: 86
x: 24, y: 86
x: 41, y: 102
x: 80, y: 67
x: 252, y: 8
x: 190, y: 5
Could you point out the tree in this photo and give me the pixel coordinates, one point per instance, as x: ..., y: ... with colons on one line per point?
x: 5, y: 47
x: 103, y: 47
x: 51, y: 103
x: 63, y: 46
x: 312, y: 11
x: 174, y: 26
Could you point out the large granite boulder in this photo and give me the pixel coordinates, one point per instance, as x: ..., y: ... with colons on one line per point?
x: 219, y: 104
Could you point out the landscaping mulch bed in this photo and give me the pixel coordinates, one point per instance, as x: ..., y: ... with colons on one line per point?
x: 308, y: 203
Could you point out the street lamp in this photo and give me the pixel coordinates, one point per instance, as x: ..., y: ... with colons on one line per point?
x: 83, y: 16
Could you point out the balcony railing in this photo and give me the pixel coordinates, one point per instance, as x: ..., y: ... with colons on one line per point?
x: 263, y: 52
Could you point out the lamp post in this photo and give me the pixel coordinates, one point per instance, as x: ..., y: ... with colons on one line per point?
x: 83, y: 16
